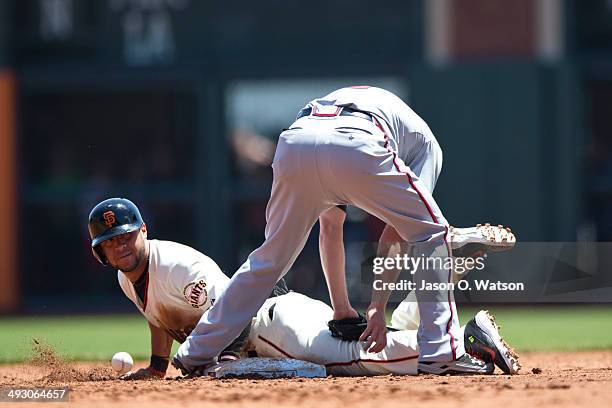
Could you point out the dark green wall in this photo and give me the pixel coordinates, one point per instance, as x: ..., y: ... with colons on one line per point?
x: 510, y: 145
x: 240, y: 37
x: 5, y: 27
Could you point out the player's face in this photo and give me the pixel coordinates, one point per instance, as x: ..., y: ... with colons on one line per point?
x: 126, y: 252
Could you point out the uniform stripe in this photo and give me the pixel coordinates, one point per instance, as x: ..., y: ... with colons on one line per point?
x: 343, y: 363
x: 274, y: 346
x: 431, y: 213
x: 366, y: 360
x: 435, y: 220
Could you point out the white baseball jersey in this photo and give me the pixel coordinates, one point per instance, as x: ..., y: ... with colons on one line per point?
x: 295, y: 326
x: 182, y: 283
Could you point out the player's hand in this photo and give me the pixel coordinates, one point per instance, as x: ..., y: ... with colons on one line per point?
x: 143, y: 374
x: 375, y: 335
x: 347, y: 312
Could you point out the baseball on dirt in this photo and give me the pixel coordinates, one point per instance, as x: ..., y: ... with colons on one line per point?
x: 122, y: 362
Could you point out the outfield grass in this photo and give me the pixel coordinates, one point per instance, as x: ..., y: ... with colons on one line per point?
x: 75, y: 337
x: 542, y: 328
x: 538, y: 328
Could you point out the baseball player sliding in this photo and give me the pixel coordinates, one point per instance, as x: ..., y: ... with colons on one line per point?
x: 172, y: 285
x: 348, y: 147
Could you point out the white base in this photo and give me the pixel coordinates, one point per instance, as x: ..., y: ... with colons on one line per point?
x: 267, y: 368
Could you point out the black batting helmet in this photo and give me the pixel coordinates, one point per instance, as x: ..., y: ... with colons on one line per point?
x: 109, y: 218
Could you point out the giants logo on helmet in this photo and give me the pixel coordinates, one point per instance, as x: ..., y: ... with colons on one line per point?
x: 109, y: 218
x: 195, y: 293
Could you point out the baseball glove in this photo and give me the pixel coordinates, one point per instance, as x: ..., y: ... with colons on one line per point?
x: 349, y: 329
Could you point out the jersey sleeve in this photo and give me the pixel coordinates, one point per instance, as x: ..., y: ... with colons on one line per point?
x: 198, y: 284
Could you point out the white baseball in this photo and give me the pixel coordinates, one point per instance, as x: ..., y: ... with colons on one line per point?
x: 122, y: 362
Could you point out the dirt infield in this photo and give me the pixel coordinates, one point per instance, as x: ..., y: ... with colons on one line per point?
x: 548, y: 379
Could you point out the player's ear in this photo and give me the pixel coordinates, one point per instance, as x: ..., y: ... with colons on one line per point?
x: 143, y: 229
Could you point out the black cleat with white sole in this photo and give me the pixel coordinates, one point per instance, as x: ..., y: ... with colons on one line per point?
x: 466, y: 364
x: 483, y: 340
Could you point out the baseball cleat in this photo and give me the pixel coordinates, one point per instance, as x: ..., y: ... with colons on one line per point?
x: 485, y: 237
x: 196, y: 372
x: 179, y: 366
x: 482, y: 340
x: 466, y: 364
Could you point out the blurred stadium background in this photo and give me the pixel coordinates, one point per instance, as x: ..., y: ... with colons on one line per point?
x: 177, y: 104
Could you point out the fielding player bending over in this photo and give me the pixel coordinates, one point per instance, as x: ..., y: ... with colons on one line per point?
x: 172, y: 285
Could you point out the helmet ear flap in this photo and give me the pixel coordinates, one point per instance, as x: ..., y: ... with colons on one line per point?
x: 99, y: 255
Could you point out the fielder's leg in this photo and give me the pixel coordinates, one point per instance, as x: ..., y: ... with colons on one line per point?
x: 426, y: 165
x: 295, y: 203
x: 376, y: 180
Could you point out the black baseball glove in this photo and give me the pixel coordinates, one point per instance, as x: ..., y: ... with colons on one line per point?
x: 349, y: 329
